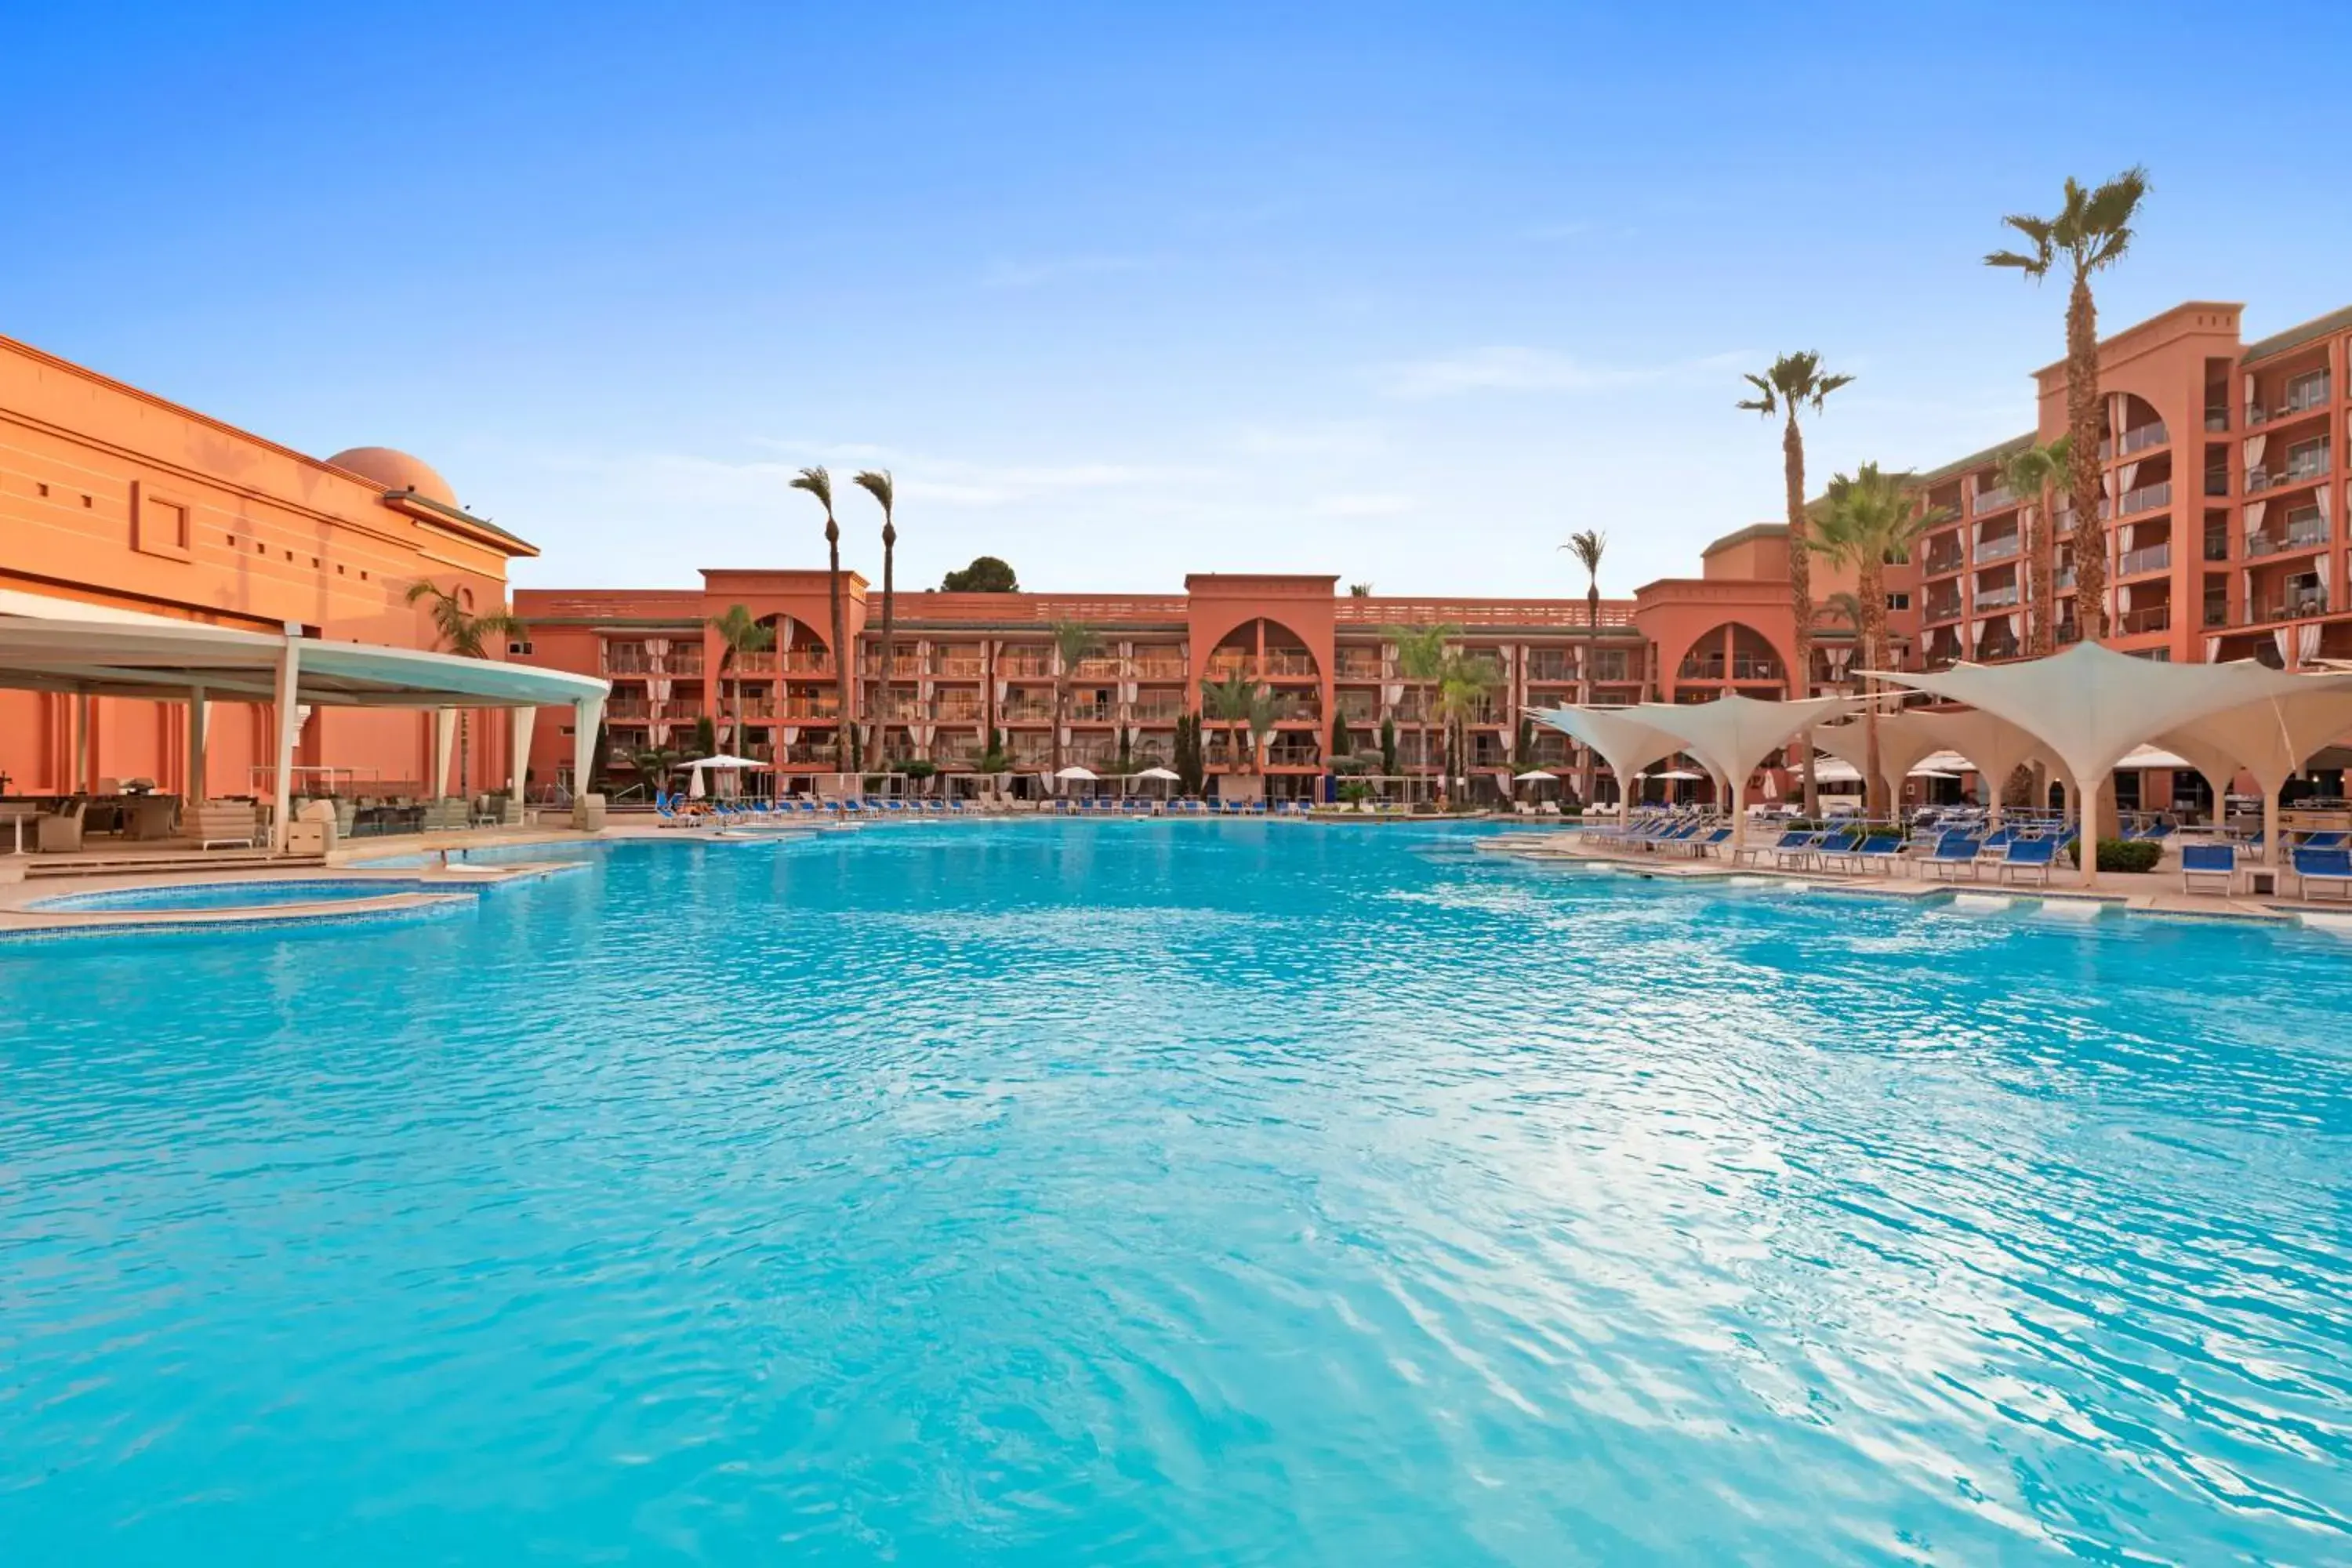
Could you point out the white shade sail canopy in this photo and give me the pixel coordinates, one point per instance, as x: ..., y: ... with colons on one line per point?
x: 1626, y: 742
x: 726, y: 764
x: 1077, y: 775
x: 1534, y: 776
x: 1733, y: 735
x: 2271, y: 740
x: 2089, y: 707
x: 1903, y: 740
x: 1167, y: 773
x: 1836, y: 770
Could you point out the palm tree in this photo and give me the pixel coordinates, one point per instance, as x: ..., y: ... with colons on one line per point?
x: 1793, y: 381
x: 1072, y: 642
x: 2093, y: 228
x: 1587, y: 547
x: 741, y: 634
x: 1420, y: 660
x: 1866, y: 522
x: 819, y: 483
x: 1464, y: 687
x: 657, y: 763
x: 1231, y: 702
x: 468, y: 636
x: 2033, y: 471
x: 878, y: 486
x: 1847, y: 606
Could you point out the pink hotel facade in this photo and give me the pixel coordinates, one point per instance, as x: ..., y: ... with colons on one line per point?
x: 2227, y: 534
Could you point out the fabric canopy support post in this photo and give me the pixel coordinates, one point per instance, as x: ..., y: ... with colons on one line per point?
x: 1732, y: 735
x: 526, y: 719
x: 587, y: 718
x: 445, y: 742
x: 1994, y: 747
x: 1626, y: 743
x: 198, y: 713
x: 289, y: 715
x: 2089, y: 707
x: 2271, y: 740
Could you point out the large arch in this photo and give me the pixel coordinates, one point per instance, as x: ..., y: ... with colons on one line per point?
x: 1715, y: 658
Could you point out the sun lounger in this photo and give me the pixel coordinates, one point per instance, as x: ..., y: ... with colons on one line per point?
x: 1881, y: 849
x: 2330, y: 840
x: 2320, y: 869
x: 2029, y: 857
x: 1840, y: 850
x: 1797, y: 855
x: 1787, y: 842
x: 1953, y: 851
x: 2207, y: 864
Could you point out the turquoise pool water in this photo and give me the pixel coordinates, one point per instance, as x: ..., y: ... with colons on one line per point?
x: 243, y: 895
x: 1174, y: 1192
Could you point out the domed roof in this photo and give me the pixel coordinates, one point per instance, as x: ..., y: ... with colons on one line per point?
x: 396, y: 471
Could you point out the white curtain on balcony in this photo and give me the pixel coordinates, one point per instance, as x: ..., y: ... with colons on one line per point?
x: 2130, y: 471
x: 2254, y: 443
x: 2254, y: 510
x: 2124, y: 539
x: 2326, y: 523
x: 2250, y: 391
x: 1392, y: 693
x: 789, y: 734
x: 661, y: 686
x: 2283, y: 640
x: 1003, y: 689
x: 2212, y: 650
x: 2321, y: 567
x: 2307, y: 639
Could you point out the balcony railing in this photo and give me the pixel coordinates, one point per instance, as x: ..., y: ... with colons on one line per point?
x: 1354, y: 666
x: 2149, y: 618
x: 1943, y: 609
x: 2217, y: 544
x: 2216, y: 419
x: 1943, y: 562
x: 2154, y: 558
x: 1997, y: 598
x: 1287, y: 666
x: 1159, y: 712
x: 622, y: 709
x: 960, y: 712
x: 2308, y: 396
x: 1555, y: 667
x: 1026, y: 713
x: 1093, y: 712
x: 801, y: 708
x: 2217, y: 481
x: 960, y: 668
x: 2000, y: 549
x: 1992, y: 500
x: 807, y: 664
x: 2296, y: 535
x: 2139, y: 439
x: 1097, y: 670
x: 2294, y: 607
x: 2299, y: 471
x: 1024, y: 666
x: 1741, y: 668
x: 2147, y: 498
x: 1161, y: 670
x: 748, y: 664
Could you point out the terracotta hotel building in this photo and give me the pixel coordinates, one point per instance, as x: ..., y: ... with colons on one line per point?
x: 2226, y: 529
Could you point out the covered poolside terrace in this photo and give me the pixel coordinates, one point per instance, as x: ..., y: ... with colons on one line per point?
x: 289, y: 675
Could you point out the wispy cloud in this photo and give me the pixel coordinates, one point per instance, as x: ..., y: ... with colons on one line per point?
x: 1056, y: 269
x: 1503, y: 368
x: 717, y: 481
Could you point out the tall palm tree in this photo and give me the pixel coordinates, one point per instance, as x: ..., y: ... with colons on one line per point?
x: 1847, y: 606
x: 741, y: 635
x: 819, y: 483
x: 2094, y: 229
x: 878, y: 486
x: 1793, y: 381
x: 1587, y: 546
x: 1420, y: 660
x: 1231, y: 702
x: 2033, y: 471
x: 1073, y: 641
x: 1866, y: 522
x: 1464, y: 685
x: 468, y: 636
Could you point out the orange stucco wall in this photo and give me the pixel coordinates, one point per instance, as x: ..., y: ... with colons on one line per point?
x: 110, y: 496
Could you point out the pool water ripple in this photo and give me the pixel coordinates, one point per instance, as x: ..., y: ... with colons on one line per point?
x: 1174, y: 1192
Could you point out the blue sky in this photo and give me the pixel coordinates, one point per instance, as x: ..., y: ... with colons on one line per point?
x: 1405, y: 294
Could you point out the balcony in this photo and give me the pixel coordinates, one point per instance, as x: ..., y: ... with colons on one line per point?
x: 2297, y: 605
x: 2300, y: 533
x: 2155, y: 558
x: 2140, y: 622
x: 1290, y: 752
x: 1943, y: 609
x: 1026, y: 713
x: 2217, y: 481
x: 1941, y: 562
x: 621, y: 709
x: 1287, y: 666
x: 1742, y: 668
x: 2217, y: 544
x: 1159, y: 711
x: 1999, y: 599
x: 2301, y: 396
x: 960, y: 667
x: 1998, y: 549
x: 2297, y: 471
x: 749, y: 664
x: 1097, y: 669
x: 806, y: 663
x: 964, y: 712
x: 686, y: 660
x: 1992, y: 500
x: 2217, y: 420
x: 806, y: 708
x: 1024, y: 666
x: 1161, y: 670
x: 1093, y: 712
x: 1359, y: 664
x: 2139, y: 439
x: 1552, y: 667
x: 1615, y: 667
x: 2147, y: 498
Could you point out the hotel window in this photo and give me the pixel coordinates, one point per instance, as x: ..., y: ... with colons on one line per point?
x: 518, y: 647
x: 1898, y: 600
x: 2307, y: 391
x: 159, y: 524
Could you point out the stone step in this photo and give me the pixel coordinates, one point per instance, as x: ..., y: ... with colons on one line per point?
x: 47, y: 866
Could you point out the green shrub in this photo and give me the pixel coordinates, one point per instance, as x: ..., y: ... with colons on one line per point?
x: 918, y: 768
x: 2120, y: 855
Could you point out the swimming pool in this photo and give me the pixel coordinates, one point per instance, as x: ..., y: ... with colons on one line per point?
x: 1175, y: 1192
x: 245, y: 895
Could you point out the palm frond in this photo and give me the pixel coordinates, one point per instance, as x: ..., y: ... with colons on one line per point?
x: 818, y: 483
x: 877, y: 483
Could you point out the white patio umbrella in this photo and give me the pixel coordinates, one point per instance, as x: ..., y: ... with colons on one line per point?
x: 1077, y: 775
x: 694, y: 789
x: 1165, y: 775
x: 1535, y: 775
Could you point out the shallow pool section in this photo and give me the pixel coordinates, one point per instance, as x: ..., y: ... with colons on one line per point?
x: 190, y: 896
x: 1160, y: 1192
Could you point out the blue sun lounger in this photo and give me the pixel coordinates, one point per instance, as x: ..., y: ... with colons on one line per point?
x: 2029, y: 857
x: 2207, y: 863
x: 2325, y: 868
x: 1952, y: 852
